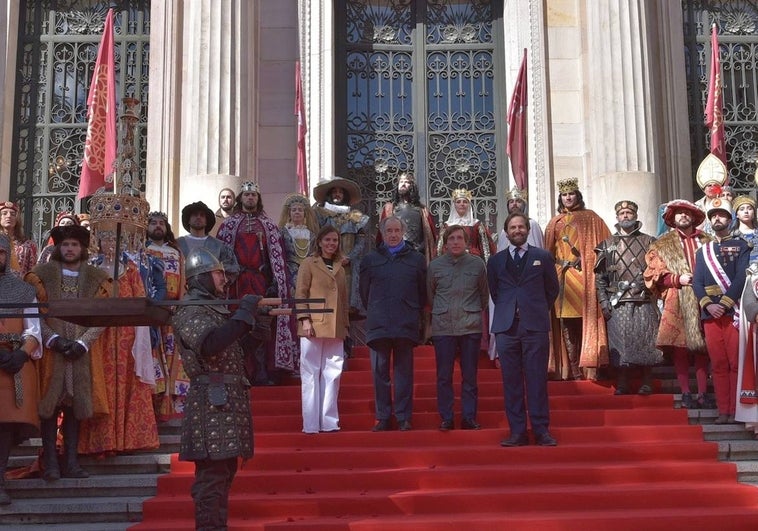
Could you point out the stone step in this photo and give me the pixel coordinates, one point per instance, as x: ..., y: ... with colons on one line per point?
x: 727, y: 432
x: 169, y: 442
x: 738, y: 450
x: 747, y: 472
x: 89, y: 510
x: 111, y: 485
x: 143, y: 463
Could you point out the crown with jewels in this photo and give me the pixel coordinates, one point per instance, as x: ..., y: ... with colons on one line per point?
x: 516, y: 193
x: 566, y: 186
x: 157, y: 214
x: 107, y: 210
x: 250, y: 186
x: 462, y: 193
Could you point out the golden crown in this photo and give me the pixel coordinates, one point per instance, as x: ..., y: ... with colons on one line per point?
x: 742, y: 200
x: 568, y: 185
x: 516, y: 193
x: 459, y: 193
x: 109, y: 209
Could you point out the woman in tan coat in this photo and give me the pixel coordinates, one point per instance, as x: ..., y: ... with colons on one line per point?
x: 321, y: 275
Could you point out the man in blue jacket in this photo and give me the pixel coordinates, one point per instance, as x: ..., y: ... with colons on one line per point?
x: 393, y: 291
x: 523, y: 285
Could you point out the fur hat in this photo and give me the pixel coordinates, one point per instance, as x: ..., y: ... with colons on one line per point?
x: 198, y: 206
x: 70, y: 232
x: 698, y: 216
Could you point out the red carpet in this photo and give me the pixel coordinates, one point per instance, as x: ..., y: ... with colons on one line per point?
x: 622, y: 463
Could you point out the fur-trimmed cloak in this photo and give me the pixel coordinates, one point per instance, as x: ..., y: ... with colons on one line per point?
x: 89, y: 384
x: 680, y: 319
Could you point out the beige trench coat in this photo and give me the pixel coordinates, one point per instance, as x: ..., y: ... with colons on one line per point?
x: 314, y: 280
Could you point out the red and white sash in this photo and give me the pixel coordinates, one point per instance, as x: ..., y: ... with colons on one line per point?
x: 720, y: 276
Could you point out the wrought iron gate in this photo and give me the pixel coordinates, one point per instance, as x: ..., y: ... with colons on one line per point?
x: 737, y: 23
x: 418, y: 89
x: 57, y: 48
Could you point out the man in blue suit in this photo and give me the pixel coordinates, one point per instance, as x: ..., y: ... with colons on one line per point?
x: 523, y: 285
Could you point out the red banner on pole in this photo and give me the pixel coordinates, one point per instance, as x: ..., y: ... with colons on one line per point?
x: 714, y: 109
x: 100, y: 145
x: 516, y: 147
x: 302, y: 129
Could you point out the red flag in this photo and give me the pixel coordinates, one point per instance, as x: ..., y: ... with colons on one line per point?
x: 516, y: 147
x: 302, y: 129
x: 100, y: 146
x: 714, y: 112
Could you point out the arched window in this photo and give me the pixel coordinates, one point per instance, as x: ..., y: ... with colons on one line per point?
x: 419, y: 89
x: 57, y: 47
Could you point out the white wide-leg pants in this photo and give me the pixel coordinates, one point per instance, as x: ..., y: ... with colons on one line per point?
x: 321, y: 361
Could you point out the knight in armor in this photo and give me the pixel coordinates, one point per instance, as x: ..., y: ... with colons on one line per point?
x: 406, y: 204
x: 71, y: 370
x: 198, y: 220
x: 217, y: 428
x: 20, y: 342
x: 631, y: 315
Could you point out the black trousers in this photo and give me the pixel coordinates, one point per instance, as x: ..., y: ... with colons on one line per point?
x: 210, y: 492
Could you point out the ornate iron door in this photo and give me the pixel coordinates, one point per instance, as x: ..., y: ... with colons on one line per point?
x: 418, y: 91
x: 57, y: 48
x: 737, y: 23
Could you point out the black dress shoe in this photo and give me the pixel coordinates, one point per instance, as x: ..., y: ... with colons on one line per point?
x: 382, y: 425
x: 545, y: 439
x: 470, y: 424
x: 446, y: 425
x: 517, y: 439
x: 405, y: 425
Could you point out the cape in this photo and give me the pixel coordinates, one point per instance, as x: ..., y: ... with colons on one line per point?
x: 680, y: 319
x: 594, y: 353
x: 285, y: 352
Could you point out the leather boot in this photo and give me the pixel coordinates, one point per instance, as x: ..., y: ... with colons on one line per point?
x: 6, y: 440
x: 572, y: 349
x: 49, y: 434
x: 70, y: 447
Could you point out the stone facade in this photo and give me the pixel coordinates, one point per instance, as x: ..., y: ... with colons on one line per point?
x: 607, y: 98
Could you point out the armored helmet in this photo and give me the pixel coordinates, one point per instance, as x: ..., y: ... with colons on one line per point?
x: 201, y: 261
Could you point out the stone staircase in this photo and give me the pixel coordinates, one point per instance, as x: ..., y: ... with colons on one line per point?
x: 111, y: 498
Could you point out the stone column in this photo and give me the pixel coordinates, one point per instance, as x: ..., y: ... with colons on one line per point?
x: 164, y: 118
x: 9, y: 40
x: 316, y: 35
x: 218, y: 104
x: 627, y: 140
